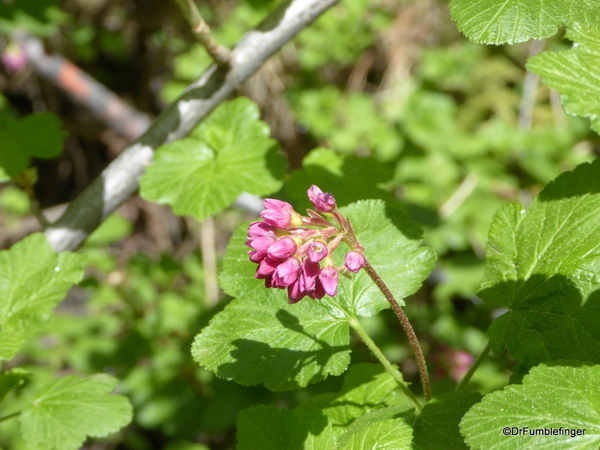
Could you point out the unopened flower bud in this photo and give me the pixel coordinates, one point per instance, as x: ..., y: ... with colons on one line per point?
x: 282, y: 219
x: 309, y: 274
x: 313, y: 192
x: 295, y: 292
x: 354, y: 261
x: 317, y: 250
x: 329, y: 280
x: 286, y: 273
x: 267, y: 267
x: 283, y: 248
x: 260, y: 243
x: 261, y: 229
x: 271, y: 203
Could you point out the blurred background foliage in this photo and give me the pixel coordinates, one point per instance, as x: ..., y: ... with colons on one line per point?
x: 378, y: 99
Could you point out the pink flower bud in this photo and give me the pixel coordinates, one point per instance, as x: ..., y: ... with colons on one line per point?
x: 257, y: 256
x: 260, y: 243
x: 317, y: 251
x: 313, y: 192
x: 286, y: 273
x: 295, y: 292
x: 281, y: 219
x: 354, y: 261
x: 283, y: 248
x: 329, y: 279
x: 309, y: 274
x: 325, y: 202
x: 266, y: 267
x: 318, y: 292
x: 271, y: 203
x: 14, y: 57
x: 261, y: 229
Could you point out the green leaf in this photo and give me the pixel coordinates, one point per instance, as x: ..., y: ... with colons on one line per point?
x: 317, y: 423
x: 36, y: 135
x: 552, y: 397
x: 334, y: 173
x: 11, y: 379
x: 510, y: 21
x: 572, y: 73
x: 437, y: 425
x: 267, y: 427
x: 33, y: 280
x: 259, y: 338
x: 544, y: 265
x: 383, y: 428
x: 71, y: 408
x: 229, y: 153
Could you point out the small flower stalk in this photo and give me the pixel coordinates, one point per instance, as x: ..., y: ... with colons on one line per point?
x: 294, y: 252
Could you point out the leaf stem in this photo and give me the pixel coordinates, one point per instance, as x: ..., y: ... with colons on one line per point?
x: 465, y: 380
x: 408, y: 329
x: 389, y: 368
x: 10, y: 416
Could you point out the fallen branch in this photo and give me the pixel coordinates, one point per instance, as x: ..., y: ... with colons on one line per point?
x: 120, y: 179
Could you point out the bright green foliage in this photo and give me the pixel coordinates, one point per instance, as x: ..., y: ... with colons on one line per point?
x: 63, y: 414
x: 36, y: 135
x: 321, y: 422
x: 40, y: 17
x: 381, y: 429
x: 351, y: 123
x: 544, y: 264
x: 436, y: 428
x: 227, y: 154
x: 11, y: 379
x: 573, y: 73
x: 33, y: 279
x: 259, y: 338
x: 551, y: 396
x: 331, y: 171
x: 511, y: 21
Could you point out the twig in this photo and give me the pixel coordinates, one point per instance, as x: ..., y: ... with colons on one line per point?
x: 408, y: 329
x: 83, y: 89
x: 220, y: 55
x: 121, y: 178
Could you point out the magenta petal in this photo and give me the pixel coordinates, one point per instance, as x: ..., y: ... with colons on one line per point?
x: 266, y: 267
x: 325, y: 202
x: 354, y: 261
x: 260, y: 243
x: 261, y: 229
x: 271, y: 203
x: 318, y: 292
x: 257, y: 256
x: 277, y: 218
x: 283, y: 248
x: 286, y: 273
x: 329, y: 279
x: 313, y: 192
x: 317, y: 251
x: 309, y: 274
x: 295, y: 292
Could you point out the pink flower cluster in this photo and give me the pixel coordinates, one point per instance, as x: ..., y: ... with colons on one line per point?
x: 294, y: 252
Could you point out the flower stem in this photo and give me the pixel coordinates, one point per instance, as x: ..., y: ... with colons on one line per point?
x: 10, y: 416
x: 355, y: 324
x: 408, y: 329
x: 465, y: 380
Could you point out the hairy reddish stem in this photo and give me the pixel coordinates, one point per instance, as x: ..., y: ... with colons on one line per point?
x: 408, y: 329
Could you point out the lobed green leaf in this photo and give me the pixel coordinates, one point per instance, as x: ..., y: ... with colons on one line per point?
x: 511, y: 21
x: 33, y: 280
x: 71, y: 408
x: 552, y: 396
x: 544, y: 265
x: 573, y: 73
x: 226, y: 155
